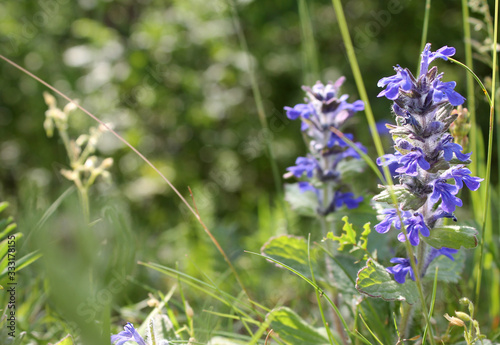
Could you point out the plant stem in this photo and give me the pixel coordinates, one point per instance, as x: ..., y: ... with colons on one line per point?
x: 490, y: 145
x: 471, y: 99
x: 423, y: 40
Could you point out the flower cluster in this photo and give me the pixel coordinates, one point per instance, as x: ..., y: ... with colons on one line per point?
x: 325, y: 109
x: 86, y: 167
x: 128, y: 334
x: 426, y: 156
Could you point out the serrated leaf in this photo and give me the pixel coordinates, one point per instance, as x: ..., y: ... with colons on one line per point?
x: 452, y: 236
x: 348, y: 236
x: 292, y: 251
x: 373, y: 280
x: 292, y: 329
x: 449, y: 271
x: 304, y: 203
x: 364, y: 236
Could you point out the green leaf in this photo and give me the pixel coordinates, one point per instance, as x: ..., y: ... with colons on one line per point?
x: 348, y: 237
x: 406, y: 199
x: 292, y: 251
x: 364, y: 236
x: 292, y: 329
x: 21, y: 263
x: 373, y: 280
x: 452, y: 236
x: 344, y: 270
x: 449, y: 271
x: 304, y: 203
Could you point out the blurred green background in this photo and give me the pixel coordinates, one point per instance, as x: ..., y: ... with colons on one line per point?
x: 173, y: 78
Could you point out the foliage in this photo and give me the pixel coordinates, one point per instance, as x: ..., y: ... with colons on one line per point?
x: 199, y: 88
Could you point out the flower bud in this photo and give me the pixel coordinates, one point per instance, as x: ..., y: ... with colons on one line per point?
x: 69, y: 174
x: 463, y: 316
x: 107, y: 163
x: 69, y: 107
x: 49, y: 99
x: 90, y: 162
x: 454, y: 321
x: 82, y: 139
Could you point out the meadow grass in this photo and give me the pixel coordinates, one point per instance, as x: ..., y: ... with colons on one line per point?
x: 59, y: 299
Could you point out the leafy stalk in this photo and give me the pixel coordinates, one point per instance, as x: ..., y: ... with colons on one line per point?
x: 376, y: 139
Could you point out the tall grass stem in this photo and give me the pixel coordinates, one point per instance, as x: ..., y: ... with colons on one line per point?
x: 490, y: 153
x: 344, y: 30
x: 425, y: 29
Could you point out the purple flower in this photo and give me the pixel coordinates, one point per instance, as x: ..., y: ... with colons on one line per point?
x: 308, y: 187
x: 410, y: 161
x: 428, y: 56
x: 346, y: 199
x: 390, y: 218
x: 442, y: 214
x: 128, y: 334
x: 434, y: 253
x: 325, y: 92
x: 400, y: 80
x: 389, y: 159
x: 445, y: 90
x: 461, y: 176
x: 350, y: 152
x: 401, y: 270
x: 300, y: 110
x: 451, y: 148
x: 415, y: 225
x: 336, y: 140
x: 303, y: 165
x: 447, y: 194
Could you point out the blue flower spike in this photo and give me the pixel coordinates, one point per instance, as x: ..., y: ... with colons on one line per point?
x: 426, y: 156
x: 129, y: 333
x: 325, y: 108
